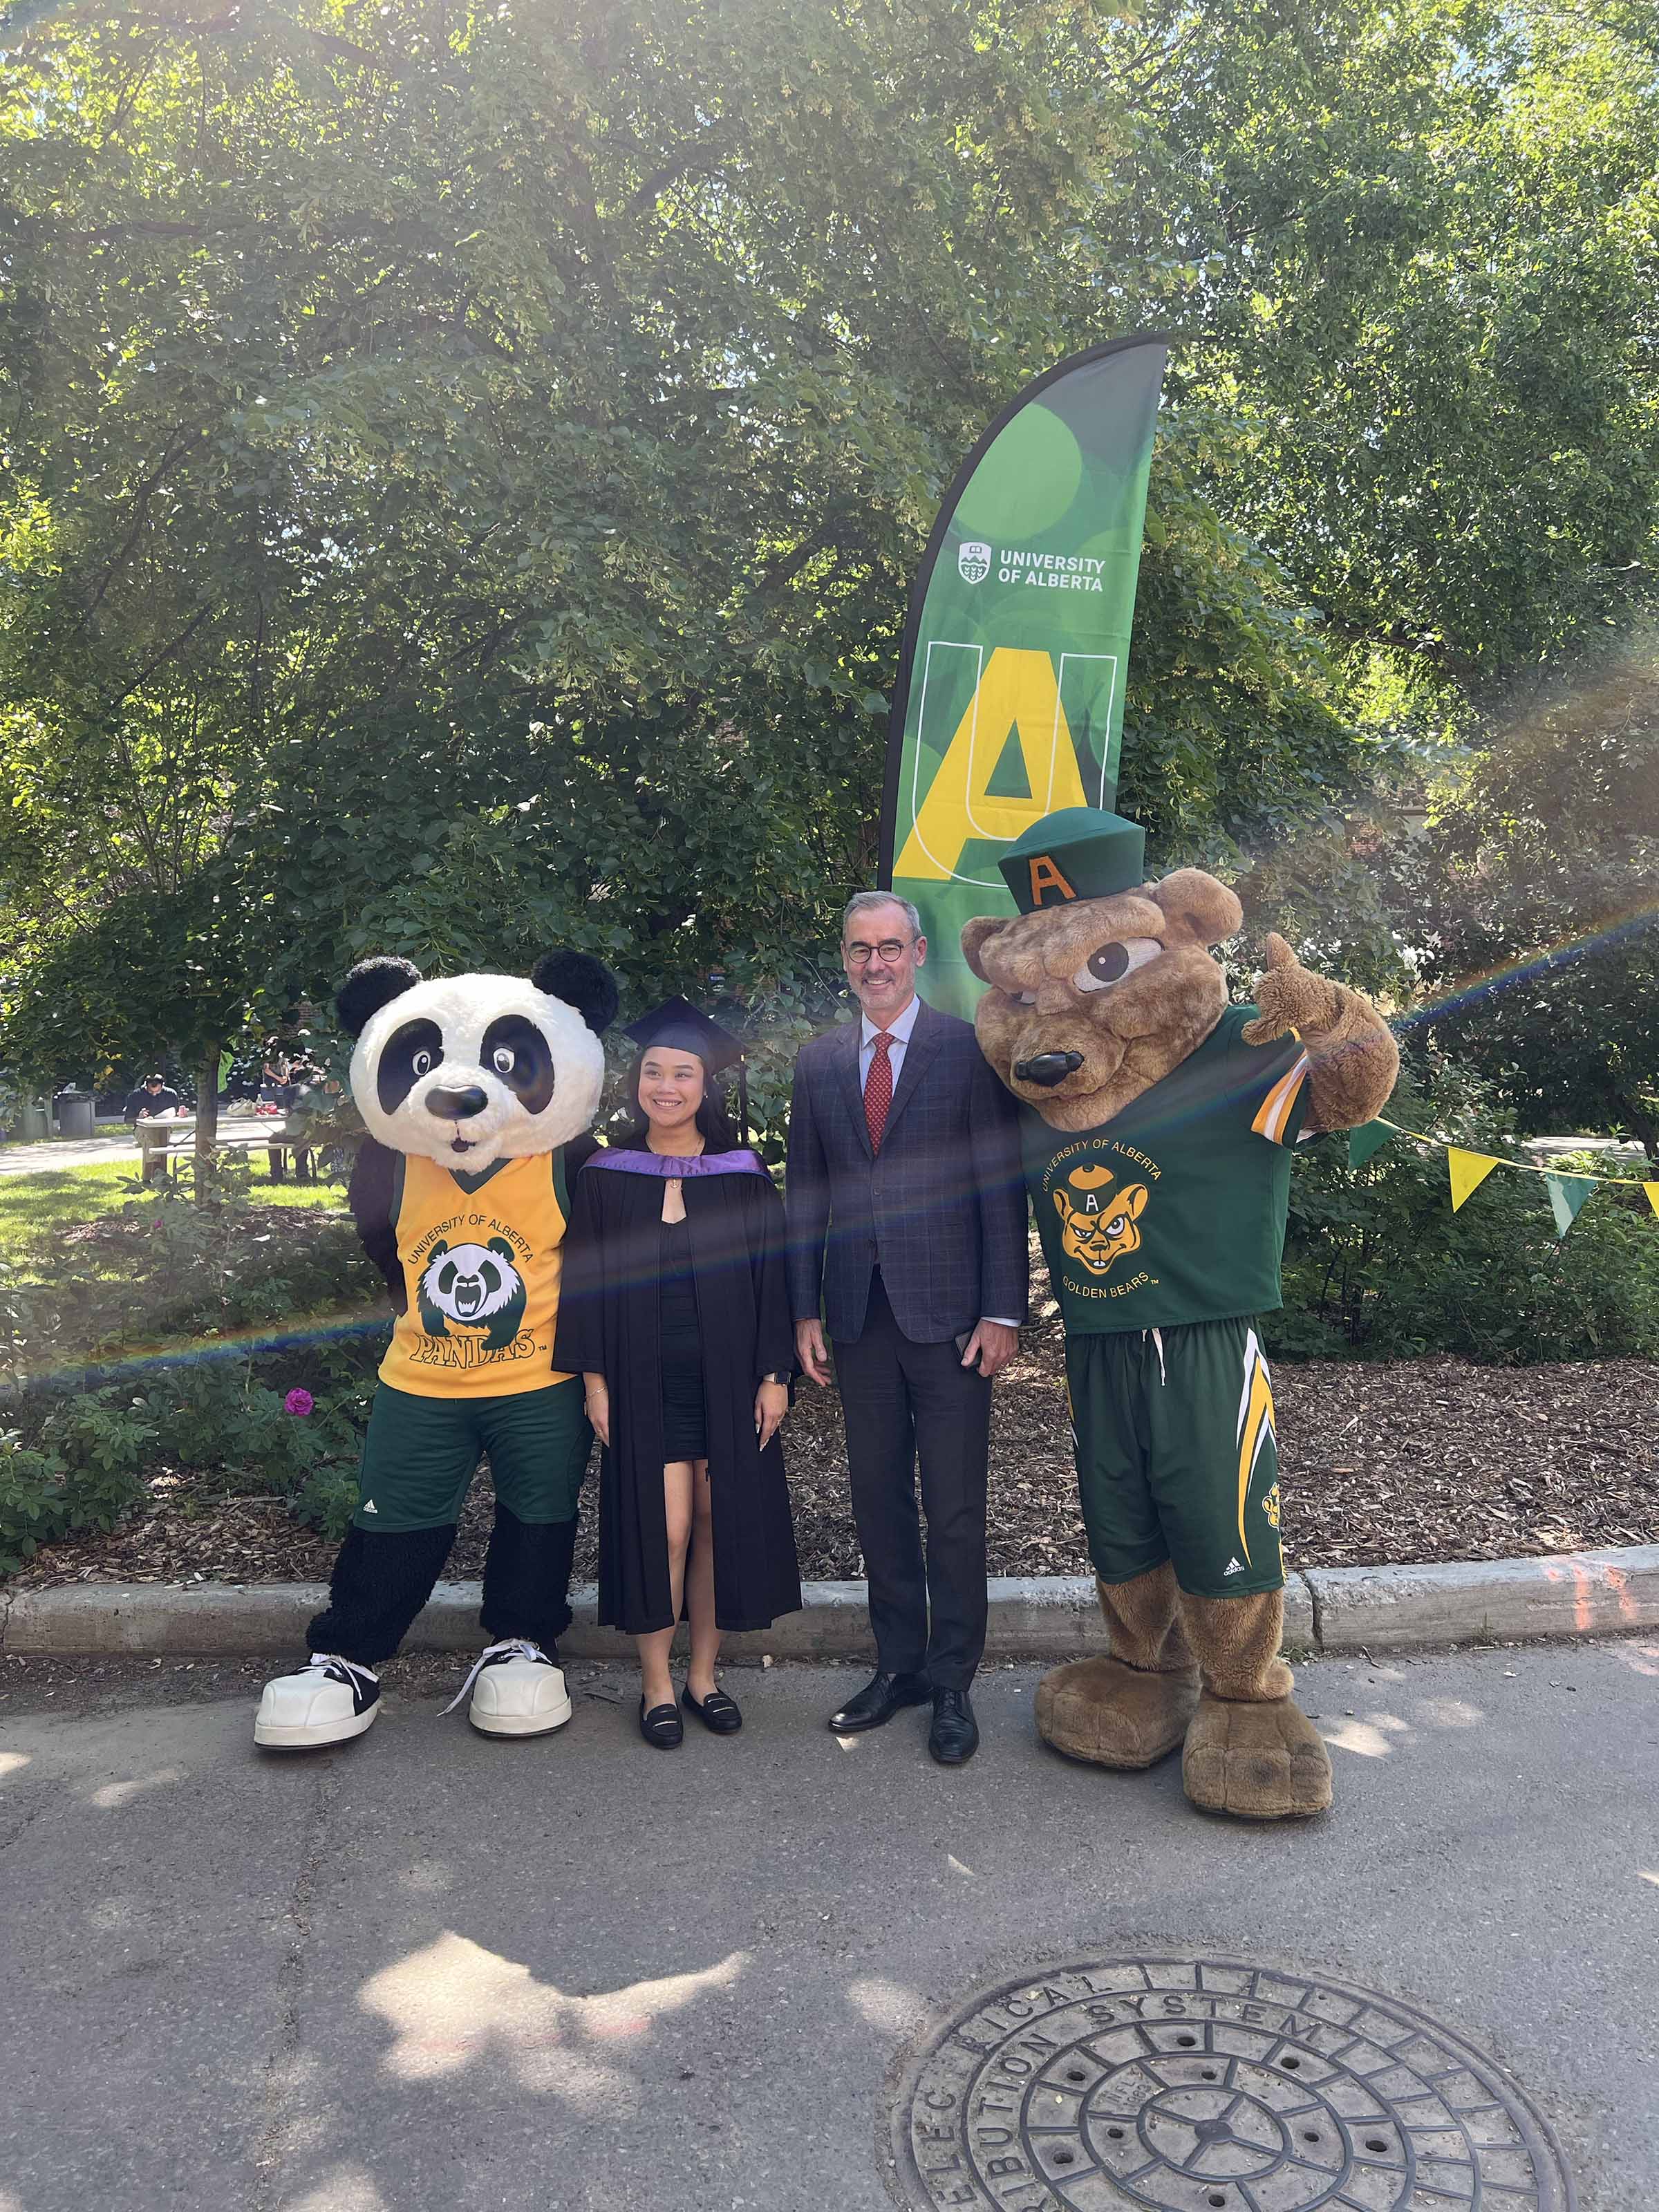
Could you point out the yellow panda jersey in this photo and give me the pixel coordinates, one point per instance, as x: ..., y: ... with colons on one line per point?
x: 482, y: 1259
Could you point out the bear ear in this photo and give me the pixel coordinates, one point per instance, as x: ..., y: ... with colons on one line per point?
x: 371, y: 985
x: 582, y: 982
x: 1206, y: 910
x: 977, y: 933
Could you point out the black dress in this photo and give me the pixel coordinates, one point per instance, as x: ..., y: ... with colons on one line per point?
x: 684, y: 1423
x: 617, y: 1319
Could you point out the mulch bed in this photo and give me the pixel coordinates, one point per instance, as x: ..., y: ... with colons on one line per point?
x: 1415, y: 1460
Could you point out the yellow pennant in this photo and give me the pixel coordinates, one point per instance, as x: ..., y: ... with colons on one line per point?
x: 1468, y: 1170
x: 1652, y: 1190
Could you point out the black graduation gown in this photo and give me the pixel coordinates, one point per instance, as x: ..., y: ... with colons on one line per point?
x: 610, y: 1323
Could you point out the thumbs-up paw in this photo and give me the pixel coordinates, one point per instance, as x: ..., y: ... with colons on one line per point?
x: 1288, y: 996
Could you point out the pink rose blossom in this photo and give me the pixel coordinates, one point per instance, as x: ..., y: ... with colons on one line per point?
x: 298, y: 1402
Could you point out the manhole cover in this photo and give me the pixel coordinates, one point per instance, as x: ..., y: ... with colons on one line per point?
x: 1203, y: 2085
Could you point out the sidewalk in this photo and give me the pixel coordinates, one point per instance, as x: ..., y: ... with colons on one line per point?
x: 429, y: 1970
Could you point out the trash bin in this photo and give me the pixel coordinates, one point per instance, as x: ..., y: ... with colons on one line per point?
x: 75, y: 1114
x: 32, y: 1120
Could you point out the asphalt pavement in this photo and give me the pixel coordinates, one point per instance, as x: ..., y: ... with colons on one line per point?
x: 430, y: 1971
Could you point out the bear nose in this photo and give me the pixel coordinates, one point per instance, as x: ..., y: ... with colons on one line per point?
x: 456, y: 1105
x: 1049, y: 1069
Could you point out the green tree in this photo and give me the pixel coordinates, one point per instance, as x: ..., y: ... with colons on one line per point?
x: 1531, y: 897
x: 463, y: 469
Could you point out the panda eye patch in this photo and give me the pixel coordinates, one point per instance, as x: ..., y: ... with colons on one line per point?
x: 527, y: 1072
x: 412, y: 1051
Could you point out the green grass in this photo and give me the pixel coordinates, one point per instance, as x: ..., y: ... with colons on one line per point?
x: 106, y: 1133
x: 34, y: 1206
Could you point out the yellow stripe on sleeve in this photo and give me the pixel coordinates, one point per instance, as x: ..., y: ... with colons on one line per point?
x: 1274, y: 1110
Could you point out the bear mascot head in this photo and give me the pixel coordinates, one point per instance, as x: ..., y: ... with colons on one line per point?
x: 1159, y: 1122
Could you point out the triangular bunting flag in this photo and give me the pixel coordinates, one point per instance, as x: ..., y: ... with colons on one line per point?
x: 1468, y: 1170
x: 1567, y: 1194
x: 1369, y: 1138
x: 1652, y: 1190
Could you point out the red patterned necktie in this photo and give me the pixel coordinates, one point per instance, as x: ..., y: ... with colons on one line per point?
x: 878, y: 1089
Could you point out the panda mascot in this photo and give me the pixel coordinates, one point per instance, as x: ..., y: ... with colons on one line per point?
x: 478, y: 1093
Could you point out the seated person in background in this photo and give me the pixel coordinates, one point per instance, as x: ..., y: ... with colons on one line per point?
x: 151, y: 1099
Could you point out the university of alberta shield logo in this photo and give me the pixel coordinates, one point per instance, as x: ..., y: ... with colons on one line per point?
x: 973, y: 561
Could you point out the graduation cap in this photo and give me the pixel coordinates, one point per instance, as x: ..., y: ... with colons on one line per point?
x: 679, y: 1026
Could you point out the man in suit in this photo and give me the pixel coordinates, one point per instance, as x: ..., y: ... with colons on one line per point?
x: 906, y: 1228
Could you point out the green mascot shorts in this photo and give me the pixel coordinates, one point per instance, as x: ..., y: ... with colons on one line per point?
x: 421, y: 1454
x: 1176, y: 1454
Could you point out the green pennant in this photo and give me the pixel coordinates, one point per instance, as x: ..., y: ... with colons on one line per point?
x: 1369, y: 1138
x: 1567, y: 1194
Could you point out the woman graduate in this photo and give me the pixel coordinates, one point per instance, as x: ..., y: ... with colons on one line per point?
x: 675, y: 1310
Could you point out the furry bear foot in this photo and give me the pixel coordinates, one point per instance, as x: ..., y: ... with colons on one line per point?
x: 1112, y: 1715
x: 1259, y: 1761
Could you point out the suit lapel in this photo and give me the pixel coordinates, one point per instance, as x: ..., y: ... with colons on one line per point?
x: 847, y: 1071
x: 924, y: 1043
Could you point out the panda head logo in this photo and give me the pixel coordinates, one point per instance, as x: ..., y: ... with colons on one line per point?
x: 973, y: 561
x: 472, y: 1069
x: 476, y: 1285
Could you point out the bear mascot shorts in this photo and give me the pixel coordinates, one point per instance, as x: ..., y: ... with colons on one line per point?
x: 476, y: 1092
x: 1158, y: 1125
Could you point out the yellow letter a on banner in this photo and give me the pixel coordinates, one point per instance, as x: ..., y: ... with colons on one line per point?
x: 1018, y: 691
x: 1469, y: 1171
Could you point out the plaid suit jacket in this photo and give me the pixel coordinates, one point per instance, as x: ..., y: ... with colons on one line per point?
x: 940, y: 1209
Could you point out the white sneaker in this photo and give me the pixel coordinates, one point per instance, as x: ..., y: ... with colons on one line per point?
x: 517, y: 1690
x: 327, y: 1702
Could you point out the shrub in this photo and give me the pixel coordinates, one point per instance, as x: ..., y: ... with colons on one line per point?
x: 1378, y: 1266
x: 42, y: 1497
x: 81, y: 1449
x: 329, y: 1499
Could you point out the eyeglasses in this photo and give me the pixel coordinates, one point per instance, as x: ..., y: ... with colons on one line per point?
x: 890, y: 948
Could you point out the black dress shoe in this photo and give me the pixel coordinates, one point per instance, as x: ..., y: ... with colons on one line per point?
x: 954, y: 1737
x: 881, y: 1696
x: 718, y: 1713
x: 662, y: 1727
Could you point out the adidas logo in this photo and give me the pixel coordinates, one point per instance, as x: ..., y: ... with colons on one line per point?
x: 369, y: 1506
x: 1233, y: 1567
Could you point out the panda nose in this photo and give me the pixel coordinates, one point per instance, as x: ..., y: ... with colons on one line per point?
x: 456, y: 1105
x: 1049, y: 1069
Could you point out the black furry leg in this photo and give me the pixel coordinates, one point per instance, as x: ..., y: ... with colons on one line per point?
x: 526, y: 1578
x: 380, y: 1580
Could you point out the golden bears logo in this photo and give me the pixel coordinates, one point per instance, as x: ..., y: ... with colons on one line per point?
x: 1097, y: 1226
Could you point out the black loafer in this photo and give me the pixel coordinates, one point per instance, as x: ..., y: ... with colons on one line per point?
x: 954, y: 1737
x: 662, y: 1727
x: 882, y: 1697
x: 718, y: 1713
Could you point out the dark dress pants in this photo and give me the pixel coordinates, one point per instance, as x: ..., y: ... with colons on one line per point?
x: 903, y: 1404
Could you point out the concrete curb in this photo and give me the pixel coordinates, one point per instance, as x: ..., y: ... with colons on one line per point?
x: 1334, y: 1609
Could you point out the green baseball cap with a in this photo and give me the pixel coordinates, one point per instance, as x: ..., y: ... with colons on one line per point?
x: 1081, y: 853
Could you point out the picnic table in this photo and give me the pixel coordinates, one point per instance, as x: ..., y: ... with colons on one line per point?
x: 164, y: 1135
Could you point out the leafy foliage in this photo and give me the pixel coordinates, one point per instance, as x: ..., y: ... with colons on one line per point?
x: 464, y: 469
x: 1376, y: 1267
x: 1532, y: 895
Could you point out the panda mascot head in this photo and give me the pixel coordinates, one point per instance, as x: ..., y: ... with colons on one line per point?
x: 472, y: 1069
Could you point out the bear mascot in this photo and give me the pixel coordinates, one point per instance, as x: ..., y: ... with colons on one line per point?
x: 478, y: 1093
x: 1157, y: 1126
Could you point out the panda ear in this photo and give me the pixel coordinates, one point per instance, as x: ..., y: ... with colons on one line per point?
x: 582, y: 982
x: 371, y: 985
